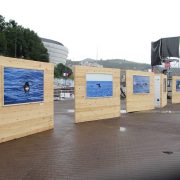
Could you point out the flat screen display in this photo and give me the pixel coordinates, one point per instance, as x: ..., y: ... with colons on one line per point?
x: 99, y: 85
x: 23, y: 86
x: 178, y: 85
x: 141, y: 84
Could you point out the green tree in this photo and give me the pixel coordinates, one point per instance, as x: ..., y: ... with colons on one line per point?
x: 33, y: 48
x: 20, y: 42
x: 3, y: 44
x: 60, y: 69
x: 2, y: 23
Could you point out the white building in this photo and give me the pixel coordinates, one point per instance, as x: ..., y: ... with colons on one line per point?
x: 58, y: 53
x: 90, y: 62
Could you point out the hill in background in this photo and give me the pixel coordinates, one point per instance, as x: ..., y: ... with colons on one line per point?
x: 112, y: 63
x: 120, y: 64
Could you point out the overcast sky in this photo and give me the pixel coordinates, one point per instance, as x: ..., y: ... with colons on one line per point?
x: 98, y: 77
x: 104, y: 29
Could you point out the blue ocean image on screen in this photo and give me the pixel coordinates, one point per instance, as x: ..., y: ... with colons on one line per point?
x: 177, y: 85
x: 99, y: 88
x: 141, y: 84
x: 14, y: 85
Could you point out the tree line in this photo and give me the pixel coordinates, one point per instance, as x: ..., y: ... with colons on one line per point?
x: 62, y: 71
x: 19, y: 42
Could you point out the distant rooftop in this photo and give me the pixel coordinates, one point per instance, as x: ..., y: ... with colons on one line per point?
x: 51, y: 41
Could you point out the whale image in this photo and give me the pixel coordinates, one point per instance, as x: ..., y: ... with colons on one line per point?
x: 178, y: 85
x: 23, y: 86
x: 141, y: 84
x: 99, y: 85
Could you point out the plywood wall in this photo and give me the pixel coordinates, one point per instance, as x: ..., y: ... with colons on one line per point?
x: 175, y: 95
x: 163, y: 89
x: 139, y: 102
x: 21, y: 120
x: 95, y: 108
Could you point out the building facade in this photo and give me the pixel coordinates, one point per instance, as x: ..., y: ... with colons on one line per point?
x: 90, y: 62
x: 58, y: 53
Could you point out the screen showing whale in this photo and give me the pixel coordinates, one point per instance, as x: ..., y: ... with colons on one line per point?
x: 141, y: 84
x: 23, y: 86
x: 177, y: 85
x: 99, y: 85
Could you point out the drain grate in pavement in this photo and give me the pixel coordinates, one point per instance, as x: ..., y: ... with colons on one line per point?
x: 122, y: 129
x: 168, y: 152
x: 70, y: 110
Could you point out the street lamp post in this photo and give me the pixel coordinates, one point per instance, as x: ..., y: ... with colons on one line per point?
x: 65, y: 75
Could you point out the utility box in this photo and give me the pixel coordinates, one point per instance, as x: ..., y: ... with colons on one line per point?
x: 160, y: 89
x: 157, y: 94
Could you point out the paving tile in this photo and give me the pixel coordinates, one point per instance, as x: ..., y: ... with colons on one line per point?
x: 97, y: 150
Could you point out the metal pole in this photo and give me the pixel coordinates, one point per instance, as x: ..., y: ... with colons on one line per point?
x: 65, y: 87
x: 64, y: 75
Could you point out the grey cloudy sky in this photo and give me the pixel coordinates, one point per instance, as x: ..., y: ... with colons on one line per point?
x: 98, y: 77
x: 120, y: 29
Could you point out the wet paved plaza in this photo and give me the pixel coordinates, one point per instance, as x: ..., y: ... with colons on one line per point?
x: 135, y: 146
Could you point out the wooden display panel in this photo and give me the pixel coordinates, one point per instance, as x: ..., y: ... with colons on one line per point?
x: 175, y: 94
x: 139, y: 102
x: 90, y: 109
x: 24, y: 119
